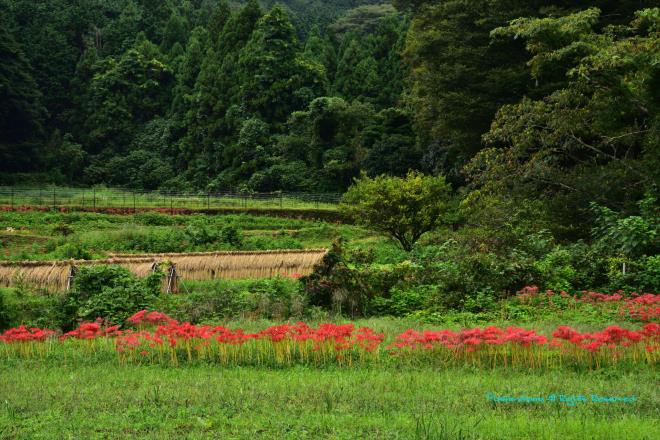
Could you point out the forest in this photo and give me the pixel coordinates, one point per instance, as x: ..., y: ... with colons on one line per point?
x: 516, y: 103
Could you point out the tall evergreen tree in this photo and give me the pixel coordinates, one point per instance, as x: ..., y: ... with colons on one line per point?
x: 352, y: 53
x: 176, y: 31
x: 268, y: 64
x: 21, y: 111
x: 217, y: 89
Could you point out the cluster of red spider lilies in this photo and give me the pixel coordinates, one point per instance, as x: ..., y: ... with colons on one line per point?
x: 158, y: 338
x: 637, y: 306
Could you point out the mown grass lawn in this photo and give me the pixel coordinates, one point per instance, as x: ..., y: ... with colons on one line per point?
x: 105, y: 400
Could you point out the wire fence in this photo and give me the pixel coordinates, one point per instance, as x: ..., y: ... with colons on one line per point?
x: 121, y: 198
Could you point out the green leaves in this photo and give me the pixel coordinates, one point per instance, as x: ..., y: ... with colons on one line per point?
x: 109, y: 292
x: 403, y: 208
x: 632, y: 236
x: 594, y: 130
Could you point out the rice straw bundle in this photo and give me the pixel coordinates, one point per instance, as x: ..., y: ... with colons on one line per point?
x: 240, y: 264
x: 52, y: 275
x: 55, y: 275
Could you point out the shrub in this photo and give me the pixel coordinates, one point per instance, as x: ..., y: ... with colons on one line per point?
x: 108, y: 292
x: 199, y: 234
x: 217, y: 300
x: 348, y: 283
x: 72, y: 250
x: 480, y: 301
x: 62, y: 229
x: 556, y: 270
x: 275, y: 299
x: 29, y: 310
x: 231, y: 235
x: 154, y: 219
x: 649, y: 276
x: 5, y: 321
x: 642, y: 275
x: 404, y: 302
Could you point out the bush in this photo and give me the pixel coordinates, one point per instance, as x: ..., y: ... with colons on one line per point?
x: 154, y: 219
x: 277, y: 298
x: 641, y: 275
x: 72, y: 250
x: 404, y: 302
x: 62, y: 229
x: 29, y: 310
x: 349, y: 283
x: 4, y: 313
x: 199, y: 234
x: 556, y: 270
x: 231, y: 235
x: 649, y: 276
x: 111, y: 293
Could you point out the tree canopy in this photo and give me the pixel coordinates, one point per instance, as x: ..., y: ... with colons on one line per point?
x: 405, y: 208
x: 516, y: 102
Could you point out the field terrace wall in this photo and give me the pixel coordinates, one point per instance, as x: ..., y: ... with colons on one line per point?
x: 57, y: 275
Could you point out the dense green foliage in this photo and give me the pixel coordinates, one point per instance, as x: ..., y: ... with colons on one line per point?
x: 464, y: 274
x: 198, y: 94
x: 517, y: 103
x: 110, y: 293
x: 403, y: 208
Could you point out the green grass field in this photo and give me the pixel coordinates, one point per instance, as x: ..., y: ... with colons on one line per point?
x: 102, y: 197
x: 108, y: 401
x: 54, y: 235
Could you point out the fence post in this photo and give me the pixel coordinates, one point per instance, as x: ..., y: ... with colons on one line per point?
x: 281, y: 200
x: 134, y: 202
x: 171, y: 204
x: 54, y: 199
x: 12, y: 199
x: 208, y: 200
x: 94, y: 206
x: 83, y: 198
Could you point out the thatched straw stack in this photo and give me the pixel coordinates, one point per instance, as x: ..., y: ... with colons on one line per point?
x: 240, y: 264
x: 54, y: 275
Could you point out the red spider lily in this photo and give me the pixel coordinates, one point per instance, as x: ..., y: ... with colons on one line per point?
x: 611, y: 337
x: 24, y: 334
x: 529, y: 293
x: 144, y: 317
x: 643, y: 307
x: 342, y: 343
x: 92, y: 330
